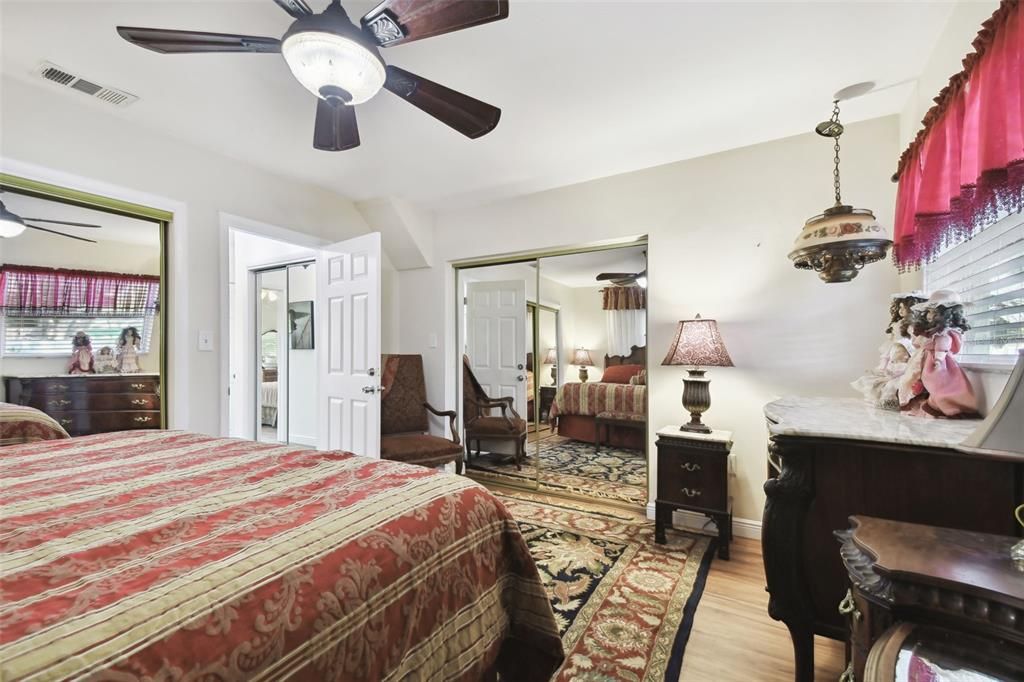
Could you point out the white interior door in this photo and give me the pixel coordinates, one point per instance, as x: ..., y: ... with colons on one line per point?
x: 348, y: 346
x: 496, y: 338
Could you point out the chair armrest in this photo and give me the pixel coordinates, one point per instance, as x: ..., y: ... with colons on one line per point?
x: 452, y: 416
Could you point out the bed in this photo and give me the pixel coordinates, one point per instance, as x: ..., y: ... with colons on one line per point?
x: 171, y: 555
x: 268, y: 397
x: 577, y: 405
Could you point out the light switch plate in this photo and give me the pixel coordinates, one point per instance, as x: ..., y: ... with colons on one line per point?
x: 432, y: 341
x: 205, y: 341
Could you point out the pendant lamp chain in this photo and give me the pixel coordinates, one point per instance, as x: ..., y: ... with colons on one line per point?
x: 835, y: 173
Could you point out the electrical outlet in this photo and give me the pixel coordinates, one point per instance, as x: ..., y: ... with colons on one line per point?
x: 205, y: 341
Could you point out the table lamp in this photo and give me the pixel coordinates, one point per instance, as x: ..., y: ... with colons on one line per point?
x: 581, y: 357
x: 698, y: 344
x: 552, y: 359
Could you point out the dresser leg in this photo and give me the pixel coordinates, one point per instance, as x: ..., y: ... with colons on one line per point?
x: 660, y: 514
x: 803, y: 651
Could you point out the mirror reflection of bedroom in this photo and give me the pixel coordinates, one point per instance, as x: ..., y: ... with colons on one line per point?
x: 553, y: 374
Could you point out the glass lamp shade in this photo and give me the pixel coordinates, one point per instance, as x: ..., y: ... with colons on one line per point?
x: 328, y: 61
x: 699, y: 344
x: 552, y: 357
x: 10, y: 224
x: 581, y: 357
x: 839, y: 242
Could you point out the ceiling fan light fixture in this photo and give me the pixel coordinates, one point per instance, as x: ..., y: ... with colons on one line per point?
x: 641, y: 281
x: 10, y: 224
x: 326, y: 62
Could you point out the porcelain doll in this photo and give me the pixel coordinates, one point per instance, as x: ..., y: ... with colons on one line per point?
x: 81, y: 355
x: 128, y: 351
x: 934, y: 383
x: 879, y: 386
x: 106, y: 363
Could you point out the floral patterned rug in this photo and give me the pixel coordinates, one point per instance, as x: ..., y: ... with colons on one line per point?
x: 624, y: 604
x: 572, y: 466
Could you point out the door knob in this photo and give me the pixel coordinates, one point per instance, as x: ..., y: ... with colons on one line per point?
x: 520, y: 378
x: 371, y: 372
x: 372, y: 389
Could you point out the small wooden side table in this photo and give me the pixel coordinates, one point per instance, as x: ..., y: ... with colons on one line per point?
x: 693, y: 475
x: 547, y: 396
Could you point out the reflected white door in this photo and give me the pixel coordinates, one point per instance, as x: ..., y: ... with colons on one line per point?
x: 496, y: 338
x: 347, y: 329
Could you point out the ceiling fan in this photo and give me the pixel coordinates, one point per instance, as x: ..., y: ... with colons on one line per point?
x: 340, y: 62
x: 11, y: 225
x: 625, y: 279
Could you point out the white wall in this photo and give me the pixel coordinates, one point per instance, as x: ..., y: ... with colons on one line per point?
x: 720, y: 228
x: 34, y: 248
x: 77, y: 136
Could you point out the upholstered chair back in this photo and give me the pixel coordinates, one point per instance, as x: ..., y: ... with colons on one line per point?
x: 471, y: 389
x: 405, y: 391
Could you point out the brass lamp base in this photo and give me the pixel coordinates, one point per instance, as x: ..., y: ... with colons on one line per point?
x: 584, y: 375
x: 696, y: 399
x: 554, y: 374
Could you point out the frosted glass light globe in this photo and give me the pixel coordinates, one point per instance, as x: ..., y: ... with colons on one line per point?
x: 318, y: 59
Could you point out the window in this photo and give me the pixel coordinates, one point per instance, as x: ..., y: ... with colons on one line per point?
x: 29, y: 336
x: 988, y: 272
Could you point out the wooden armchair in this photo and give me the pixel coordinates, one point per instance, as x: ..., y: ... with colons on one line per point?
x: 404, y: 422
x: 481, y: 425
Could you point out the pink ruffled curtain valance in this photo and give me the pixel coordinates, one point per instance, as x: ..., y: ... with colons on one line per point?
x: 625, y: 298
x: 966, y: 167
x: 34, y: 291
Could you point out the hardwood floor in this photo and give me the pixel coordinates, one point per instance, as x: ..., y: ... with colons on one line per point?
x: 734, y: 639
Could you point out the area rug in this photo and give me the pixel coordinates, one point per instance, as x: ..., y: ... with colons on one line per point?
x: 610, y: 473
x: 624, y: 605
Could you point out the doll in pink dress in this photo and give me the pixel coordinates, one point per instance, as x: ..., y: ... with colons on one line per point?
x: 934, y: 383
x: 81, y: 361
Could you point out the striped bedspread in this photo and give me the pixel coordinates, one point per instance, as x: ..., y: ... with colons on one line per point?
x: 591, y: 399
x: 165, y: 556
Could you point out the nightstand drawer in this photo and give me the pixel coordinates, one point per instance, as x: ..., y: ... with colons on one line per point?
x: 692, y: 477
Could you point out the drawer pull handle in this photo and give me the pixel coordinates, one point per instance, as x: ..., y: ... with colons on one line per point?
x: 847, y: 675
x: 138, y: 387
x: 65, y: 422
x: 143, y: 420
x: 59, y: 403
x: 139, y: 401
x: 848, y: 607
x: 691, y: 492
x: 690, y: 466
x: 60, y: 387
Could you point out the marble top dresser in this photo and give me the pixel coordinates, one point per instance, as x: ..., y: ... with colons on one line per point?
x: 831, y: 458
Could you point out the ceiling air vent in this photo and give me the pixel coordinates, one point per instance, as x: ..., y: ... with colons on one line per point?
x: 56, y: 74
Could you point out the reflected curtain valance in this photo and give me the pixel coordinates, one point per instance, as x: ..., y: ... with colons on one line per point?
x: 47, y: 292
x: 965, y: 169
x: 625, y: 298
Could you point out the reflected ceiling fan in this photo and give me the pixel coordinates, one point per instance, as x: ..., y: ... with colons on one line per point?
x: 340, y: 62
x: 625, y: 279
x: 11, y: 225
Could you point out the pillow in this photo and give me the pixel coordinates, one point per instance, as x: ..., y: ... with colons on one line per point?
x: 639, y: 379
x: 20, y: 424
x: 620, y: 374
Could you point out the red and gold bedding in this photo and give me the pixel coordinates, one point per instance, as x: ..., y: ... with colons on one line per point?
x: 591, y: 399
x: 20, y: 424
x: 167, y: 555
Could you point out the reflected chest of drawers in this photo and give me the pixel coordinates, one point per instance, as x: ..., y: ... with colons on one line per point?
x: 693, y: 475
x: 92, y: 403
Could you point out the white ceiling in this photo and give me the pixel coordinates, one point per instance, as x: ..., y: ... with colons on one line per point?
x: 581, y: 269
x: 113, y: 227
x: 587, y: 89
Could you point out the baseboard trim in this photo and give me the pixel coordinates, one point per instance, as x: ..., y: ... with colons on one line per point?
x: 309, y: 441
x: 741, y: 528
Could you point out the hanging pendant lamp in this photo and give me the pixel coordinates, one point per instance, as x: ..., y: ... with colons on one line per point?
x: 841, y: 240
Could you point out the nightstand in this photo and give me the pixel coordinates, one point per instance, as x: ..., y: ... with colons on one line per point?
x: 693, y: 475
x: 547, y: 396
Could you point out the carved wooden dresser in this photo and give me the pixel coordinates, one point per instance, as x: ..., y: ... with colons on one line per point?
x: 832, y: 458
x: 948, y: 598
x: 92, y: 403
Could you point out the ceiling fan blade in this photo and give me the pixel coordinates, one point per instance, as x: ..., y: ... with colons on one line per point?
x: 167, y: 41
x: 401, y: 21
x: 604, y: 276
x: 61, y: 222
x: 296, y: 8
x: 469, y: 116
x: 335, y: 129
x: 62, y: 234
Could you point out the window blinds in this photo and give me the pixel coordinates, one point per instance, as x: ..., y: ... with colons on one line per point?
x: 988, y: 272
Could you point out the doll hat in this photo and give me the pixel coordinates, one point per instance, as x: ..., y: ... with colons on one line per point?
x: 909, y: 294
x: 943, y: 297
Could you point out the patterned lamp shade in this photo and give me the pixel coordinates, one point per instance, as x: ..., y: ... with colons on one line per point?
x: 698, y: 343
x: 581, y: 357
x: 552, y: 357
